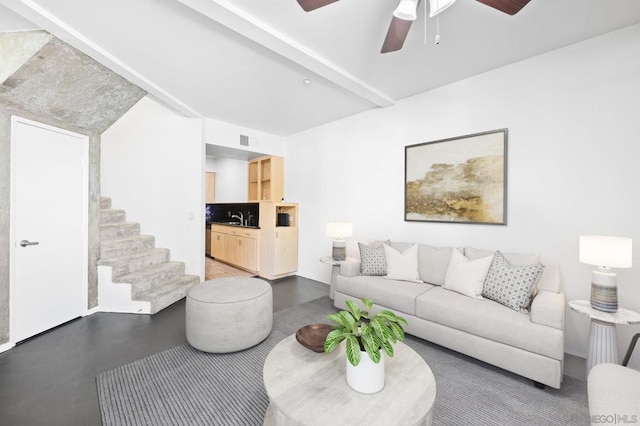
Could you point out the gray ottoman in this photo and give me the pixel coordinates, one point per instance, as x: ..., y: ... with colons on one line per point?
x: 229, y: 314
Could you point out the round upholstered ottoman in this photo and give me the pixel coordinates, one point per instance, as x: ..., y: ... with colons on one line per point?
x: 229, y: 314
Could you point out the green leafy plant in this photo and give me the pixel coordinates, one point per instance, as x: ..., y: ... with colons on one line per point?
x: 362, y: 333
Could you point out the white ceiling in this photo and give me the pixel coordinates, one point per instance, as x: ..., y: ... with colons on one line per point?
x: 244, y: 61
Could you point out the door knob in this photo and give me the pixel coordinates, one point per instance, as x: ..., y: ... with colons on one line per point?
x: 25, y: 243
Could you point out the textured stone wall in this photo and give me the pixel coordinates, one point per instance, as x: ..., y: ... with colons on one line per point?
x: 5, y: 173
x: 16, y: 48
x: 94, y: 219
x: 61, y: 87
x: 69, y: 88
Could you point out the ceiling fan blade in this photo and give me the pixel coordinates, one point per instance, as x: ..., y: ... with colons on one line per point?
x: 309, y: 5
x: 396, y: 34
x: 510, y: 7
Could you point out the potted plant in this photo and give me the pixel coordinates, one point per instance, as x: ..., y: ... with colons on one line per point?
x: 365, y: 335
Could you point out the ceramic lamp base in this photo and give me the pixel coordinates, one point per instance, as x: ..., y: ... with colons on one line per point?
x: 339, y: 251
x: 604, y: 291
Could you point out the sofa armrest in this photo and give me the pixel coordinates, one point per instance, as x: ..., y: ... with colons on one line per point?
x: 548, y: 309
x: 550, y: 279
x: 350, y: 268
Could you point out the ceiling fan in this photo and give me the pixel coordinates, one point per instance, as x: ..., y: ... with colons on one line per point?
x: 405, y: 14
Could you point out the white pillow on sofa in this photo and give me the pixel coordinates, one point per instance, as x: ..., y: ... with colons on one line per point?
x: 467, y: 276
x: 402, y: 266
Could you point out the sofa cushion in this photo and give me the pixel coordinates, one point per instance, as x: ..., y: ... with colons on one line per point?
x: 396, y: 295
x: 403, y: 265
x: 511, y: 285
x: 433, y: 263
x: 372, y: 260
x: 491, y: 320
x: 513, y: 258
x: 466, y: 276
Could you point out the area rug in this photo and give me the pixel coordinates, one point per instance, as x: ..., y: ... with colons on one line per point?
x: 183, y: 386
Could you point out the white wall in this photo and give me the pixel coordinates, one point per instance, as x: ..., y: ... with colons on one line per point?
x: 574, y: 136
x: 11, y: 21
x: 152, y: 166
x: 231, y: 179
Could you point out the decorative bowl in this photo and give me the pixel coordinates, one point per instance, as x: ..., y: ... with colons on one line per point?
x: 312, y: 336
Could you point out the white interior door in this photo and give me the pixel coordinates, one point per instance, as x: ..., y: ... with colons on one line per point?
x: 49, y: 227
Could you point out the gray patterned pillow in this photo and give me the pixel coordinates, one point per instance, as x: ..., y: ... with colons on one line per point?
x: 372, y: 260
x: 509, y: 285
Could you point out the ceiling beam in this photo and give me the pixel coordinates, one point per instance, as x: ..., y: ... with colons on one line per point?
x: 229, y: 15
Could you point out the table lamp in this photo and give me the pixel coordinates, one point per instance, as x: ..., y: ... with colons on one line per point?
x: 339, y: 231
x: 605, y: 253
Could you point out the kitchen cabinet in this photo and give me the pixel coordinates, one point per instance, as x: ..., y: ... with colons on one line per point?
x: 210, y: 187
x: 218, y: 244
x: 278, y: 242
x: 207, y: 243
x: 236, y: 245
x: 266, y: 179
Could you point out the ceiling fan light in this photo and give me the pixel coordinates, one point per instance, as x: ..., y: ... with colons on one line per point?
x: 437, y: 6
x: 407, y: 10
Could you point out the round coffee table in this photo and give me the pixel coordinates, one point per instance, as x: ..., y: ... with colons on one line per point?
x: 309, y: 388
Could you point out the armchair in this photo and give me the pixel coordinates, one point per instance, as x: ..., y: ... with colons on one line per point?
x: 614, y: 391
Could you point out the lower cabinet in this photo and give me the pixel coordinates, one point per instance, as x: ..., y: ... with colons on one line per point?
x: 244, y: 252
x: 207, y: 239
x: 237, y: 246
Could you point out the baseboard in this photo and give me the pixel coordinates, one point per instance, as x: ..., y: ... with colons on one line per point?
x: 6, y: 346
x: 91, y: 311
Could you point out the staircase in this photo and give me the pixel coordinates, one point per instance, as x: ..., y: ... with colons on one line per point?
x: 133, y: 275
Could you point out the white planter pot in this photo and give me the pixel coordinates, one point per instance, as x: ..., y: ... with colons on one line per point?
x: 367, y: 377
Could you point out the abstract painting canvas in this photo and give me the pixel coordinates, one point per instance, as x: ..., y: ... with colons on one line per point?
x: 460, y: 180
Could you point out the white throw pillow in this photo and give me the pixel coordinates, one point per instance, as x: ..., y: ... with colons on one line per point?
x: 402, y: 266
x: 467, y: 276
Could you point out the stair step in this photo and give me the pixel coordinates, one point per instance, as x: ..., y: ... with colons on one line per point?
x: 112, y: 216
x: 133, y: 262
x: 119, y: 230
x: 105, y: 202
x: 148, y: 278
x: 168, y: 293
x: 123, y: 246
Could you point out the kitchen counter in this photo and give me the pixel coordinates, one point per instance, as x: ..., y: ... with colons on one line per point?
x: 233, y: 224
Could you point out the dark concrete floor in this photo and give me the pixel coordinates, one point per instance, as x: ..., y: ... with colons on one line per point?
x: 50, y: 379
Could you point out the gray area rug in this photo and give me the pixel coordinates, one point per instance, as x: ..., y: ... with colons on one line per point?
x: 183, y: 386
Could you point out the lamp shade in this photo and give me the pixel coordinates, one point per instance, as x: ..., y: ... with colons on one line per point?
x: 339, y: 230
x: 437, y: 6
x: 407, y: 10
x: 612, y: 252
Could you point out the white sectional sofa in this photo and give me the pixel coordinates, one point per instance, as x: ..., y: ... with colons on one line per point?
x: 530, y: 344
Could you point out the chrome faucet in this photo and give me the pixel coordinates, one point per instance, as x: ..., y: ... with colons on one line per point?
x: 239, y: 216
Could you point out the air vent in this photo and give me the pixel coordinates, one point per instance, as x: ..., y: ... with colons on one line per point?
x: 244, y: 140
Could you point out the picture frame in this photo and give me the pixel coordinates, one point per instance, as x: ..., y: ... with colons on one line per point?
x: 457, y: 180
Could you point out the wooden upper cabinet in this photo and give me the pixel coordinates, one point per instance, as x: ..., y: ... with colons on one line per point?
x: 266, y: 179
x: 210, y: 187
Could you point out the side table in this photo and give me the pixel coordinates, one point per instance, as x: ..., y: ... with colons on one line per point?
x: 602, y: 336
x: 335, y: 270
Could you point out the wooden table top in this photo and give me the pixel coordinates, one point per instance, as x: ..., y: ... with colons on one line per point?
x: 310, y: 388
